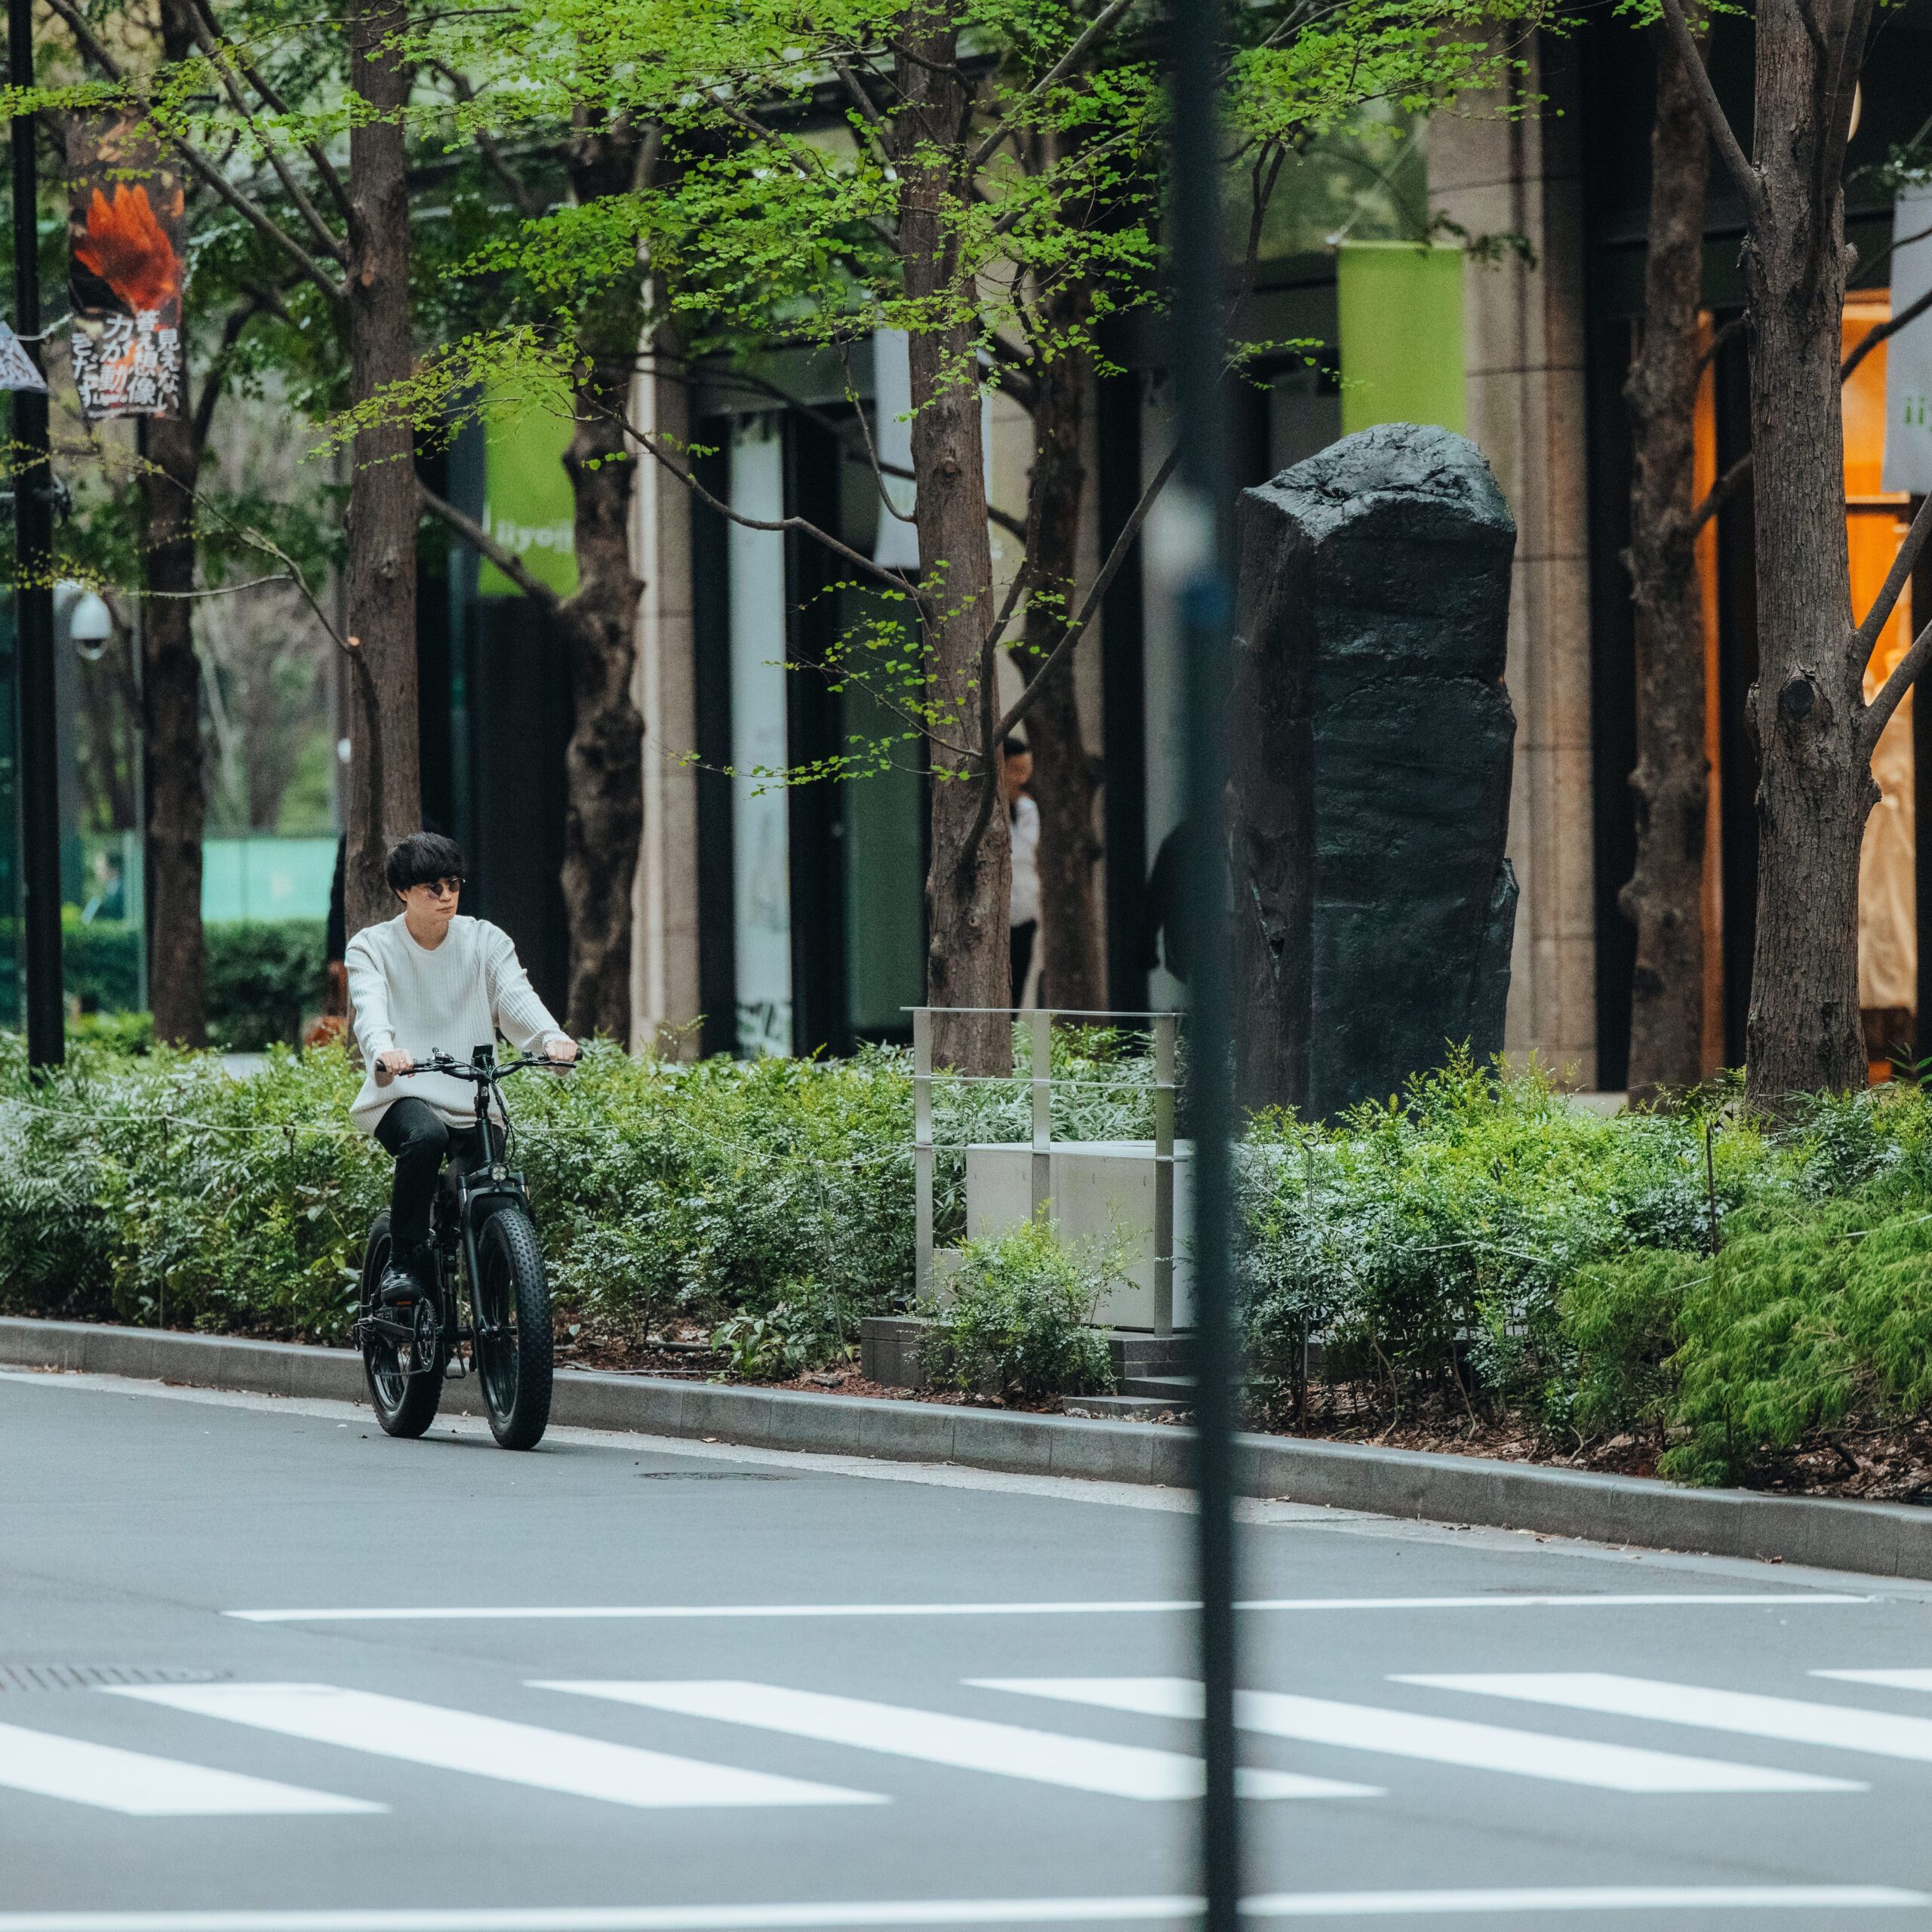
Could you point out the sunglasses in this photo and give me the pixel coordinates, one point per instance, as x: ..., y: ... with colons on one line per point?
x: 444, y: 888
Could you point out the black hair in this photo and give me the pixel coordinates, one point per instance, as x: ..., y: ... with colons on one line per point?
x: 422, y: 858
x: 1013, y: 747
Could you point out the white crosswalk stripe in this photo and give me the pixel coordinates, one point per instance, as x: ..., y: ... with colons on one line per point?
x: 140, y: 1786
x: 487, y: 1747
x: 1120, y: 1770
x: 1438, y: 1740
x: 1893, y: 1680
x: 1747, y: 1713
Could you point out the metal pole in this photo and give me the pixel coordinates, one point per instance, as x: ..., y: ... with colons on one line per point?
x: 1164, y: 1174
x: 138, y: 763
x: 33, y: 597
x: 1042, y: 1021
x: 1197, y: 521
x: 922, y: 1151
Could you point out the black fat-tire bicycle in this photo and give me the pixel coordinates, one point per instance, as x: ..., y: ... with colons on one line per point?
x: 483, y: 1251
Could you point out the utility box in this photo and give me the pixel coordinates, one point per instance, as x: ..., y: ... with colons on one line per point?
x: 1099, y: 1193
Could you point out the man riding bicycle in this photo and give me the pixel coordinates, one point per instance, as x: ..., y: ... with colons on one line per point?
x: 431, y: 981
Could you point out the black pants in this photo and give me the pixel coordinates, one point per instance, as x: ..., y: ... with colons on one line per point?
x: 1019, y: 943
x: 419, y: 1139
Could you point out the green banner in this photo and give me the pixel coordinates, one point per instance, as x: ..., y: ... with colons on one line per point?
x: 1400, y: 309
x: 527, y: 503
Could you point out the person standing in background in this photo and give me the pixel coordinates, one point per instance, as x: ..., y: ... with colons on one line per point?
x: 1023, y: 912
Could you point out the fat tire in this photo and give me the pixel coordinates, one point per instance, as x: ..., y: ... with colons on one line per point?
x: 411, y: 1414
x: 511, y: 1265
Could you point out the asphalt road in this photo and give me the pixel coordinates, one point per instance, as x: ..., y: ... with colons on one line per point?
x: 863, y: 1694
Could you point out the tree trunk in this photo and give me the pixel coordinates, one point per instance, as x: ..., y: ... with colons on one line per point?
x: 1664, y: 897
x: 171, y: 733
x: 1816, y: 789
x: 385, y: 790
x: 1066, y: 778
x: 605, y: 760
x: 968, y: 885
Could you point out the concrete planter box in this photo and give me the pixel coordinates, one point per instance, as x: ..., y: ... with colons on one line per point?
x: 889, y: 1346
x: 1098, y: 1191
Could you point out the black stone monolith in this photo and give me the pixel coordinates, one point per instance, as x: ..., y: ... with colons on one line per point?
x: 1370, y: 741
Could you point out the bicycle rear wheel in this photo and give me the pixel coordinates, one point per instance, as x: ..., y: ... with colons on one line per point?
x: 514, y: 1340
x: 405, y: 1380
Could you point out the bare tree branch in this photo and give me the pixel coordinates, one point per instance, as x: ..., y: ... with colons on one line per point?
x: 221, y: 58
x: 989, y: 738
x: 1717, y: 123
x: 654, y: 447
x: 216, y: 373
x: 1881, y: 331
x: 527, y: 201
x: 318, y: 154
x: 1117, y: 556
x: 1103, y: 25
x: 480, y: 540
x: 1866, y: 635
x: 1719, y: 338
x: 1720, y: 492
x: 1891, y: 693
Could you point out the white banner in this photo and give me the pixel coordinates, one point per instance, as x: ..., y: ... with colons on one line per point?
x: 1908, y: 354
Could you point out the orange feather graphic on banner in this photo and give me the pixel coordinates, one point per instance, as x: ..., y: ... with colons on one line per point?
x: 130, y: 249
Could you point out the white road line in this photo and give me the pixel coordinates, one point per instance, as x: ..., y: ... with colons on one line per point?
x: 1438, y: 1740
x: 1745, y: 1712
x: 1893, y: 1680
x: 132, y: 1782
x: 811, y: 1918
x: 487, y: 1747
x: 480, y: 1613
x: 1120, y: 1770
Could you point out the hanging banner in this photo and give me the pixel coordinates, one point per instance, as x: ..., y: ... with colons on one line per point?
x: 1399, y: 308
x: 124, y: 270
x: 16, y: 369
x: 528, y: 504
x: 1908, y: 354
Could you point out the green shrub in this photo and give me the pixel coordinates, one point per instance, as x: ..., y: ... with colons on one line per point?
x: 101, y: 962
x: 1017, y: 1322
x: 808, y: 1329
x: 263, y: 976
x: 1483, y: 1243
x: 1618, y: 1321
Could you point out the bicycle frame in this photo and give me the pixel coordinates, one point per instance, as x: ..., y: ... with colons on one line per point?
x: 493, y: 1180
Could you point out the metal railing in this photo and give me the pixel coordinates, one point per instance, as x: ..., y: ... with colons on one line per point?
x: 1040, y: 1020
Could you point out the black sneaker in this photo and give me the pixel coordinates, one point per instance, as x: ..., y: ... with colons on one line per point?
x: 403, y: 1278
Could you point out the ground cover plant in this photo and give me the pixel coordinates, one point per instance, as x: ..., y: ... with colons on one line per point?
x: 1478, y: 1259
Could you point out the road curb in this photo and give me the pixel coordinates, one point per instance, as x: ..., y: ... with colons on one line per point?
x: 1872, y: 1539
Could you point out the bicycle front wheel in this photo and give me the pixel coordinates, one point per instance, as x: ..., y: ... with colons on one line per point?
x: 514, y: 1340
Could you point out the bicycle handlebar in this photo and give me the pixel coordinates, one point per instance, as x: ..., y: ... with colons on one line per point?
x: 465, y: 1069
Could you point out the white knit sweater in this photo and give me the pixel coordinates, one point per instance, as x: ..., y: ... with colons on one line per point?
x: 450, y: 1000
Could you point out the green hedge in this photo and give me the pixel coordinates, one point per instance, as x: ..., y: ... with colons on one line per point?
x: 1722, y: 1286
x: 1482, y: 1245
x: 263, y: 976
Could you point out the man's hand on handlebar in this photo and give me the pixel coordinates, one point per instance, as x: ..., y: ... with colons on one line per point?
x: 561, y: 1051
x: 390, y: 1063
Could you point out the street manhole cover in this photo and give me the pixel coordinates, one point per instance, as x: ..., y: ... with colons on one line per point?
x: 711, y: 1476
x: 93, y: 1676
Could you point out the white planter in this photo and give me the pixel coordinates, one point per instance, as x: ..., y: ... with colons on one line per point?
x: 1099, y: 1191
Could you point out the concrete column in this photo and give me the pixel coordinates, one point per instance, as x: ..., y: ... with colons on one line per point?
x: 664, y: 961
x: 1499, y: 173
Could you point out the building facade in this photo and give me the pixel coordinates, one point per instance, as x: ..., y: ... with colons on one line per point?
x: 776, y: 917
